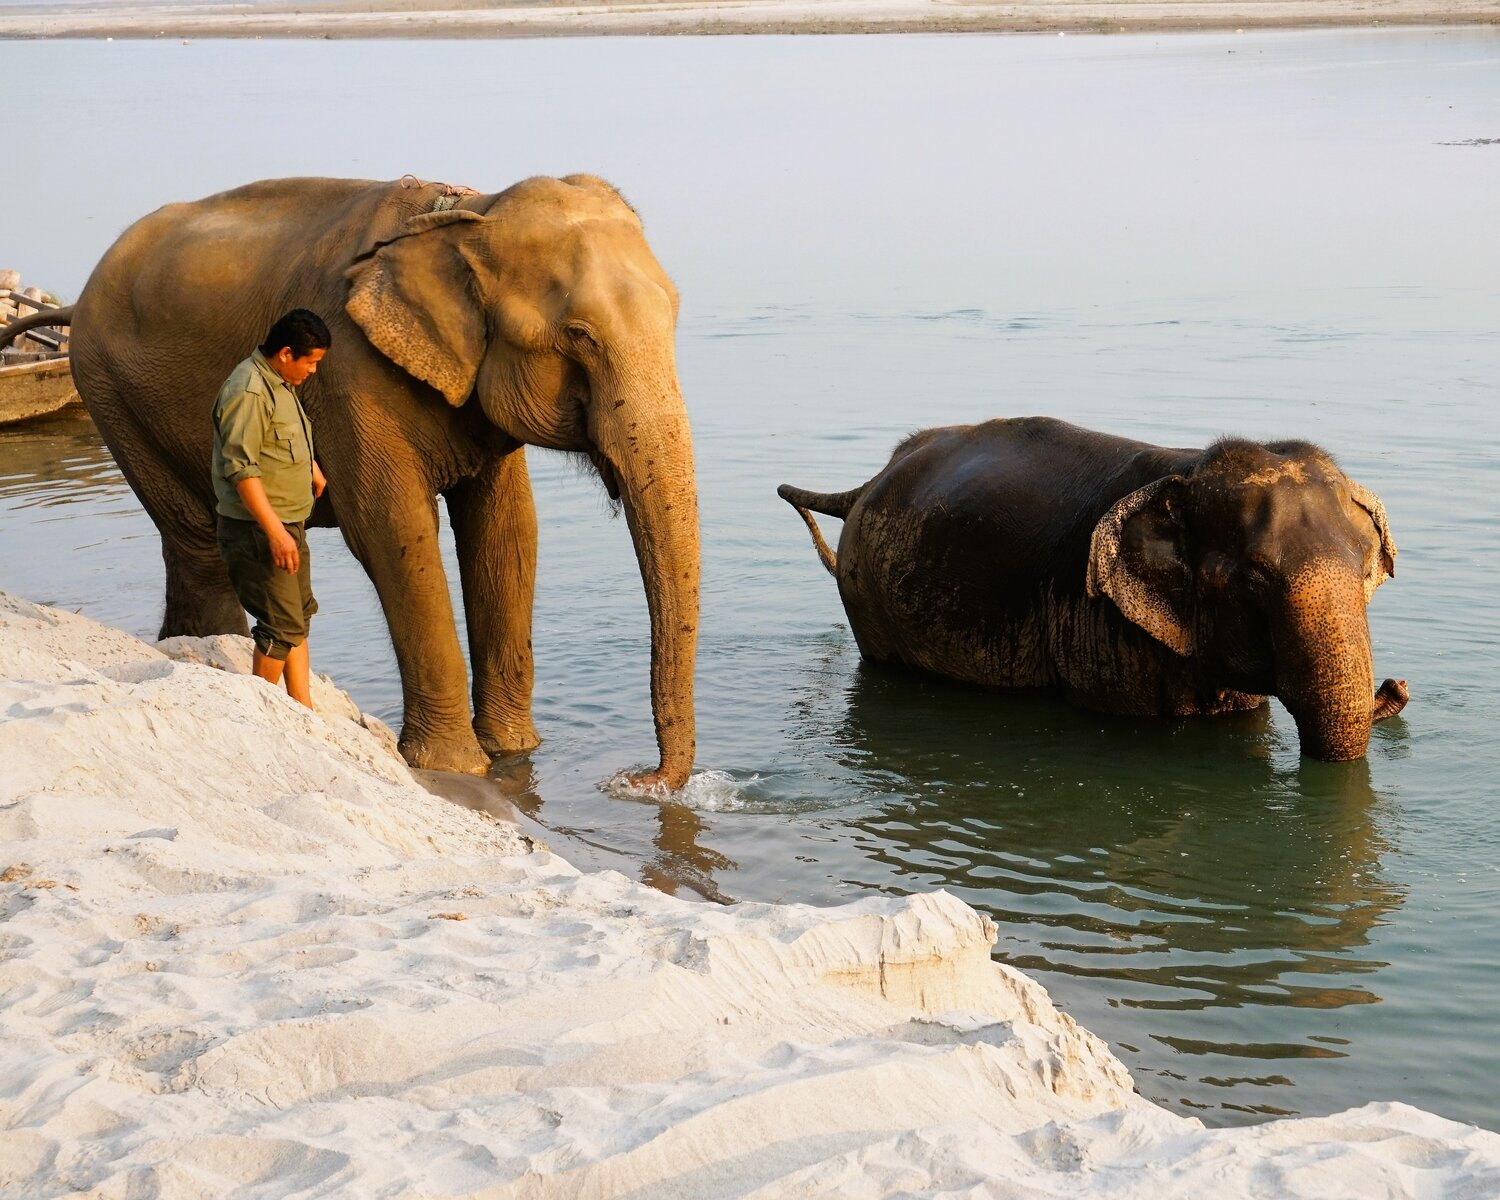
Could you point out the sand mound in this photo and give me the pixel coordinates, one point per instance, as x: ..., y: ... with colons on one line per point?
x: 242, y: 953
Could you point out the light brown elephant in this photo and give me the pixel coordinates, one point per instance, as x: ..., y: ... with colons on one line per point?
x: 465, y: 327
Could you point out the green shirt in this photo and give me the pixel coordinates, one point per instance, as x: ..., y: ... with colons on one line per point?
x: 260, y: 431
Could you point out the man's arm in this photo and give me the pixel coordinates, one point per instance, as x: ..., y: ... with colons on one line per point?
x: 242, y: 420
x: 283, y: 545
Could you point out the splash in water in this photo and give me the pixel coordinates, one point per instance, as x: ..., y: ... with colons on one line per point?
x: 707, y: 791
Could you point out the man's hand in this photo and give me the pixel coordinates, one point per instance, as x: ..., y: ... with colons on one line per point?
x: 319, y: 481
x: 283, y: 549
x: 283, y: 545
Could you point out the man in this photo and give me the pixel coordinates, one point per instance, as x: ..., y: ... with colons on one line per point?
x: 265, y: 481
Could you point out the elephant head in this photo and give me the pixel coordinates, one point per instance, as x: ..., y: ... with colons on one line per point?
x: 545, y: 307
x: 1258, y: 563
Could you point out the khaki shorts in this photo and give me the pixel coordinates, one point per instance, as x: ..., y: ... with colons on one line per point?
x: 281, y: 603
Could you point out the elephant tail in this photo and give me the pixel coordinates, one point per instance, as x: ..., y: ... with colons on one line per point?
x: 833, y: 504
x: 48, y: 316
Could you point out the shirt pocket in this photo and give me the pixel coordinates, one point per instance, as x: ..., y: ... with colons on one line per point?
x: 287, y: 443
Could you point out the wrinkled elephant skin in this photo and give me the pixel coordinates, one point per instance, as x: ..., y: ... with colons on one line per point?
x: 1134, y: 579
x: 465, y: 327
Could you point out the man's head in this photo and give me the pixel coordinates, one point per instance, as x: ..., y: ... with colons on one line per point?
x: 296, y: 344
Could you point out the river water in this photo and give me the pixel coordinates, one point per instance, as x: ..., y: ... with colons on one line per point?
x: 1274, y: 235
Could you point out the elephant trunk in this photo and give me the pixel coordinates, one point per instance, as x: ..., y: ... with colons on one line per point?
x: 649, y: 449
x: 1324, y: 673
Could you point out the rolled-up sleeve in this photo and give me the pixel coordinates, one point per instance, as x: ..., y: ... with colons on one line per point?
x: 242, y: 420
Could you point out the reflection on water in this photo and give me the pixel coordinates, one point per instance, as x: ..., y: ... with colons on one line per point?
x: 1170, y: 867
x: 56, y: 461
x: 679, y: 864
x: 681, y: 860
x: 73, y: 528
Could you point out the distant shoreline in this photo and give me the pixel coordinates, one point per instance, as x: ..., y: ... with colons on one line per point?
x: 392, y: 19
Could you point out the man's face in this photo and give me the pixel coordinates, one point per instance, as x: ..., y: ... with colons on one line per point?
x: 297, y: 371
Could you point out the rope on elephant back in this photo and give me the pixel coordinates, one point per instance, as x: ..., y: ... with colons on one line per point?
x: 448, y: 198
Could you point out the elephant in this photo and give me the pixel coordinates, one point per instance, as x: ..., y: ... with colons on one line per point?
x: 1133, y: 579
x: 465, y: 327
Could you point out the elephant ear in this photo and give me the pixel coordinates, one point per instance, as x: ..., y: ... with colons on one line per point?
x: 1384, y: 565
x: 412, y: 297
x: 1138, y: 558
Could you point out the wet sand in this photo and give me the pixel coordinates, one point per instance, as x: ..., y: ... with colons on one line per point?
x: 398, y: 19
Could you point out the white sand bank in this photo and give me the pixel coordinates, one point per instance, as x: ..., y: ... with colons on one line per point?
x: 242, y: 953
x: 546, y: 18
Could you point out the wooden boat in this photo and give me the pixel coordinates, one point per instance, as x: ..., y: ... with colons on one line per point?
x: 36, y: 389
x: 36, y: 381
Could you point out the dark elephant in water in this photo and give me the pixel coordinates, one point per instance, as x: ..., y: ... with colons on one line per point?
x: 1135, y: 579
x: 466, y: 326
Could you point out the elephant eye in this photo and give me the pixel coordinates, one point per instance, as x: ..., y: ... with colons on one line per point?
x: 581, y: 336
x: 1255, y: 574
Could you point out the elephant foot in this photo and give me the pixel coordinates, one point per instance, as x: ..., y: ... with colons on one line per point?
x: 207, y: 620
x: 503, y: 740
x: 458, y: 752
x: 1390, y: 698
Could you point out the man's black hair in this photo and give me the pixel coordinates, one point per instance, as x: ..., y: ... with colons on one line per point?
x: 301, y: 330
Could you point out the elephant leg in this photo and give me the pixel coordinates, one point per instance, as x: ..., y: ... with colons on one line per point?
x: 391, y: 526
x: 494, y: 527
x: 200, y: 601
x: 199, y: 598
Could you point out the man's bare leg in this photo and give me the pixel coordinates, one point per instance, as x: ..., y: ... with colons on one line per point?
x: 298, y: 682
x: 264, y: 667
